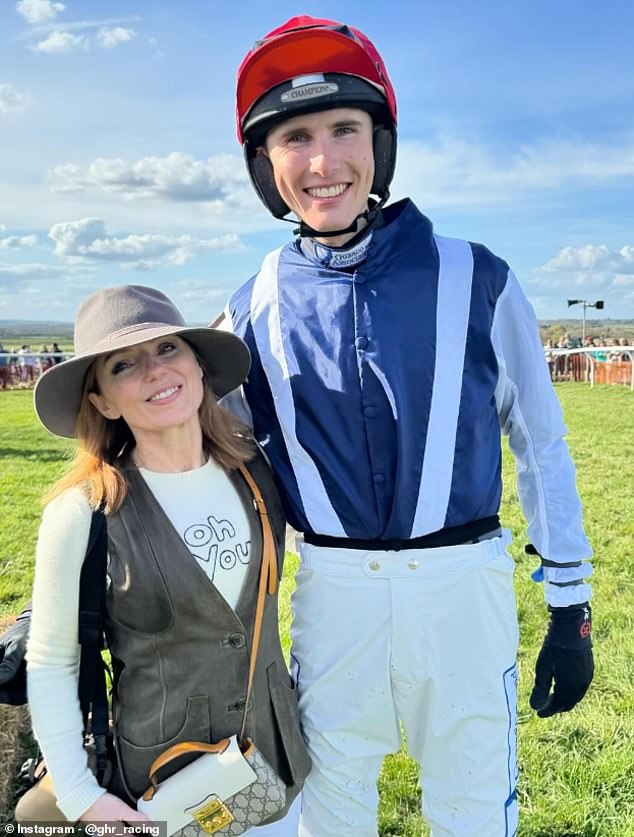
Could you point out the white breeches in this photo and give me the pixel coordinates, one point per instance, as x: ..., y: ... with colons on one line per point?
x: 423, y: 639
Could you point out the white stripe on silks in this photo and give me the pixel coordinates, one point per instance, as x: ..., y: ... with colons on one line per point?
x: 387, y: 389
x: 452, y: 320
x: 267, y: 329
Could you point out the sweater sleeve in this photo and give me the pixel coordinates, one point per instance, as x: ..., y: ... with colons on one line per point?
x: 531, y: 416
x: 53, y: 651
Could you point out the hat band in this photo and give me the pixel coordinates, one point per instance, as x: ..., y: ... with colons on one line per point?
x: 124, y: 332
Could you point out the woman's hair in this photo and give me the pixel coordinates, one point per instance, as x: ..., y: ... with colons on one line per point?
x: 105, y: 446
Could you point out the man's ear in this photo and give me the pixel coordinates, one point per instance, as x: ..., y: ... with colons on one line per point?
x: 100, y: 404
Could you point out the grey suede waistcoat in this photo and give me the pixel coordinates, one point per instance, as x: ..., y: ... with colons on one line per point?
x: 181, y: 653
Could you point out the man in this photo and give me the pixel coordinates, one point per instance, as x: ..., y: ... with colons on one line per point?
x: 386, y: 361
x: 58, y: 356
x: 25, y: 364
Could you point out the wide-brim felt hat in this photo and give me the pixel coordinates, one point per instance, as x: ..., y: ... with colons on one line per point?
x: 117, y: 318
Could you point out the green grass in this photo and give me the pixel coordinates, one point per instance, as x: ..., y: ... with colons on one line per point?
x: 577, y: 770
x: 31, y: 459
x: 36, y: 342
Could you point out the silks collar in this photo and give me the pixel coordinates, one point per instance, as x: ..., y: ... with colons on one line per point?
x: 336, y: 258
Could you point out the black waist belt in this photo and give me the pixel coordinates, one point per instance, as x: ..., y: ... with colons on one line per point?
x: 477, y: 530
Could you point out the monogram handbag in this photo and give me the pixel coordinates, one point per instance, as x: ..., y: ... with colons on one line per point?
x: 231, y: 787
x: 225, y: 791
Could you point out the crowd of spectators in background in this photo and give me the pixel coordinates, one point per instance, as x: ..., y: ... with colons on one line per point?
x: 610, y: 363
x: 21, y: 367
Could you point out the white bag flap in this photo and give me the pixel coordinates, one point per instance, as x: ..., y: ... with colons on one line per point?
x: 222, y: 774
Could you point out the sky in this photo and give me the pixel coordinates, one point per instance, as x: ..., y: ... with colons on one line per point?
x: 119, y: 162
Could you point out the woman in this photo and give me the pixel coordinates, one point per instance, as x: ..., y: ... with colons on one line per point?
x: 184, y: 542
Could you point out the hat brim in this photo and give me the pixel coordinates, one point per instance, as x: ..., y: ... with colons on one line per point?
x: 58, y: 392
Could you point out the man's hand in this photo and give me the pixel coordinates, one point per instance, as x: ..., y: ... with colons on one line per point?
x: 565, y: 660
x: 12, y: 660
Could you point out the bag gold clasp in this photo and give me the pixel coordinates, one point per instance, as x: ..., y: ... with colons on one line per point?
x: 212, y: 815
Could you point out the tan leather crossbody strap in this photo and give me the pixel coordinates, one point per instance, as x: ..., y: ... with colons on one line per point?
x: 268, y: 578
x: 268, y: 575
x: 179, y: 750
x: 269, y: 562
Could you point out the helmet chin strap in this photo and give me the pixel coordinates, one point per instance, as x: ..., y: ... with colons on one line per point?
x: 370, y: 215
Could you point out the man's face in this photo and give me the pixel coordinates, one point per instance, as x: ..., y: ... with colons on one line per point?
x: 324, y: 166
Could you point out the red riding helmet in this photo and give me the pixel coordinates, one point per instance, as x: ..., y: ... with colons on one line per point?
x: 307, y: 65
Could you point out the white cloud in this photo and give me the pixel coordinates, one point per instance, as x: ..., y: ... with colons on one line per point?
x: 12, y: 274
x: 88, y: 239
x: 38, y: 11
x: 58, y: 43
x: 593, y: 258
x: 199, y: 300
x: 621, y: 281
x: 452, y: 172
x: 17, y: 241
x: 447, y: 173
x: 108, y: 38
x: 10, y: 99
x: 61, y: 41
x: 176, y: 177
x: 590, y: 272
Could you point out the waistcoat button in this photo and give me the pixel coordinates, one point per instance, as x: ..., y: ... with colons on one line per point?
x: 237, y: 640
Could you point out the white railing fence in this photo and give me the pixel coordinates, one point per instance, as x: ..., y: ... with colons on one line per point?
x: 594, y: 364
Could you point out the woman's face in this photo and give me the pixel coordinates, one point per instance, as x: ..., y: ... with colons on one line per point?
x: 155, y: 386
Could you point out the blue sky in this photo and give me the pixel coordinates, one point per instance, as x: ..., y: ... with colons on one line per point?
x: 119, y: 162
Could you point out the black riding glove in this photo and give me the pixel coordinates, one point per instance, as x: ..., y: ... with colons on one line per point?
x: 565, y: 659
x: 12, y: 660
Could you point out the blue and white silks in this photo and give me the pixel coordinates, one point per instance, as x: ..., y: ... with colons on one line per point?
x: 383, y: 391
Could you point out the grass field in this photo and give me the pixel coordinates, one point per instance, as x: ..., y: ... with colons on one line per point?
x: 577, y: 770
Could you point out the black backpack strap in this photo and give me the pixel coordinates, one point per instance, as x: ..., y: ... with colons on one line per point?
x: 93, y: 697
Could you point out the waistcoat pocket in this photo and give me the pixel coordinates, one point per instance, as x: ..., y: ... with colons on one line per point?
x: 286, y: 717
x: 135, y: 760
